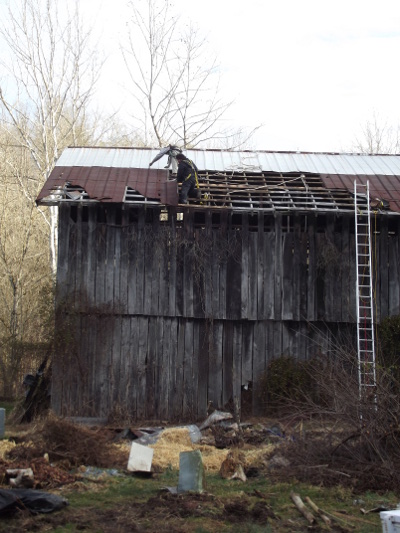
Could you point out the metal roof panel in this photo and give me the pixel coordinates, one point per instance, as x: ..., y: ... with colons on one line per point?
x: 104, y: 173
x: 225, y: 160
x: 109, y: 184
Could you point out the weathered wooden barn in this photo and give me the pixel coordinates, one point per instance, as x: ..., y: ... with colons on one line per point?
x: 165, y: 309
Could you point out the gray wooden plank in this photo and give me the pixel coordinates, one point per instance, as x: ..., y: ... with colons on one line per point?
x: 215, y: 366
x: 277, y: 340
x: 91, y: 258
x: 189, y: 381
x: 383, y: 269
x: 79, y: 288
x: 208, y: 267
x: 164, y: 368
x: 154, y: 251
x: 188, y: 264
x: 163, y: 280
x: 245, y: 267
x: 100, y: 248
x: 151, y: 363
x: 332, y: 271
x: 140, y: 277
x: 172, y: 262
x: 110, y: 258
x: 131, y: 335
x: 117, y: 264
x: 247, y: 353
x: 215, y: 275
x: 122, y: 258
x: 179, y: 277
x: 269, y: 275
x: 237, y: 356
x: 287, y: 267
x: 103, y: 361
x: 312, y: 269
x: 225, y: 251
x: 259, y: 368
x: 394, y: 274
x: 253, y: 276
x: 278, y: 268
x: 199, y: 285
x: 173, y: 358
x: 202, y: 334
x: 352, y: 275
x: 301, y: 251
x: 337, y: 282
x: 177, y: 401
x: 132, y: 258
x: 233, y: 276
x: 345, y: 278
x: 227, y: 363
x: 143, y: 325
x: 297, y: 267
x: 321, y: 272
x: 260, y: 267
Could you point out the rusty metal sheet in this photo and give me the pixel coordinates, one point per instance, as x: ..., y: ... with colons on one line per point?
x: 108, y: 184
x: 381, y: 187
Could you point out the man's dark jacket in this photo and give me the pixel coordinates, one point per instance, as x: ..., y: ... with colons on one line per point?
x: 184, y: 169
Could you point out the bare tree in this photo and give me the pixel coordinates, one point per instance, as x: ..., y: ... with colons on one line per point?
x: 51, y: 71
x: 175, y: 80
x: 24, y: 267
x: 378, y: 137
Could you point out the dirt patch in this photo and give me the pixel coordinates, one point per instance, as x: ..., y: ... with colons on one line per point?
x: 70, y: 445
x: 46, y: 476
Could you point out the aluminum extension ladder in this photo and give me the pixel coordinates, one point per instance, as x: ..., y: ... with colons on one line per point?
x: 364, y: 295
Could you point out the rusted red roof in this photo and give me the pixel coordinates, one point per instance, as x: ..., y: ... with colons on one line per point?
x: 229, y: 179
x: 381, y: 187
x: 108, y: 184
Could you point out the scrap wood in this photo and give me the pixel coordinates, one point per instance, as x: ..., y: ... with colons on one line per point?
x: 357, y: 519
x: 374, y: 510
x: 343, y: 523
x: 302, y: 508
x: 319, y: 511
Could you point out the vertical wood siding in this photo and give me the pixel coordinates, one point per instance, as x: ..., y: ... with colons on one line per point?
x: 161, y: 318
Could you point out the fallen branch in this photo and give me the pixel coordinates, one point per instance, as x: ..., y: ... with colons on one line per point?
x: 302, y: 508
x: 317, y: 510
x: 341, y: 521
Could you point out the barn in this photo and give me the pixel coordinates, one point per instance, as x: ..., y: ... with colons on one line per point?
x: 164, y: 310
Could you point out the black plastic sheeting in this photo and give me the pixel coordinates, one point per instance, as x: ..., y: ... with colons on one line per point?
x: 34, y: 501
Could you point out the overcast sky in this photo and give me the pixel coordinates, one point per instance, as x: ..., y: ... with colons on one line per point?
x: 311, y: 71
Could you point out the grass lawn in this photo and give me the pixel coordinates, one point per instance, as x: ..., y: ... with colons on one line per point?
x: 130, y: 503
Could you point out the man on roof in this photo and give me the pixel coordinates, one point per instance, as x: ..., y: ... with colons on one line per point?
x: 171, y: 151
x: 187, y: 175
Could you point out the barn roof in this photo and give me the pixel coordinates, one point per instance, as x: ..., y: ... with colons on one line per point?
x: 236, y: 179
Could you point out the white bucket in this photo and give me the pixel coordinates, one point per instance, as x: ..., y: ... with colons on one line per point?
x: 390, y: 521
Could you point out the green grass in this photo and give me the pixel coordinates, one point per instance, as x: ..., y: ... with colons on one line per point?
x: 103, y: 505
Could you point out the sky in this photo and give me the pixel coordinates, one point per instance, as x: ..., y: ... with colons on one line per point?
x: 311, y: 72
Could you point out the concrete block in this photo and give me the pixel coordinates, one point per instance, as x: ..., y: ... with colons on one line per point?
x: 191, y: 472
